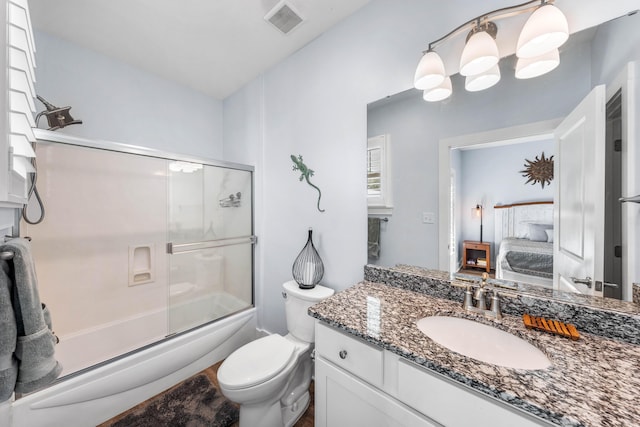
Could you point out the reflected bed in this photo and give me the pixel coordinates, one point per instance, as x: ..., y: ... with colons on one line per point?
x: 524, y: 235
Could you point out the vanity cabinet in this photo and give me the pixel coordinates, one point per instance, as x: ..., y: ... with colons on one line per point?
x: 348, y: 383
x: 359, y: 384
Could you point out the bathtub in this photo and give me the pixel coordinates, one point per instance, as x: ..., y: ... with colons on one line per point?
x: 88, y: 347
x: 96, y: 395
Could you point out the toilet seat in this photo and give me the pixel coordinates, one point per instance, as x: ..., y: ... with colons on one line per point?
x: 256, y: 362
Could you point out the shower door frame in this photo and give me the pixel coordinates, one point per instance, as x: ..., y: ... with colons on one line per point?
x: 48, y: 137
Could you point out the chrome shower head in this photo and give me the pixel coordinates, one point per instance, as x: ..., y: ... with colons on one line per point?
x: 56, y: 117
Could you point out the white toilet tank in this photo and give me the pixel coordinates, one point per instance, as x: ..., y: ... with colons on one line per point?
x: 297, y: 301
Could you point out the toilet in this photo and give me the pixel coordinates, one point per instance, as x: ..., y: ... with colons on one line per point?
x: 270, y: 377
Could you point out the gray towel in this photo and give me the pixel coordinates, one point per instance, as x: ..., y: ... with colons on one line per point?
x: 374, y: 238
x: 8, y: 336
x: 34, y: 349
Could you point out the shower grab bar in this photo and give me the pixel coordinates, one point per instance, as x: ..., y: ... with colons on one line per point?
x: 180, y: 248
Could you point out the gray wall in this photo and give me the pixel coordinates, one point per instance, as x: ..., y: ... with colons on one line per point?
x: 120, y: 103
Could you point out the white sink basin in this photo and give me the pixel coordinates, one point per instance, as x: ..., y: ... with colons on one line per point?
x: 483, y: 342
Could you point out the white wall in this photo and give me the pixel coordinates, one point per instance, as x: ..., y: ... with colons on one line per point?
x: 120, y: 103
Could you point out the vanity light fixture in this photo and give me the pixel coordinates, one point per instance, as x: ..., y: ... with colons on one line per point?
x: 430, y: 72
x: 527, y: 68
x: 440, y: 92
x: 480, y: 53
x: 545, y: 30
x: 484, y: 80
x: 537, y: 49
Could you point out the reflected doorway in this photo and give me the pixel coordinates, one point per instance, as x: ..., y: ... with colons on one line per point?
x: 613, y: 253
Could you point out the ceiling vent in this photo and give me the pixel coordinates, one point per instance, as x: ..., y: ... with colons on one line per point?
x: 283, y: 17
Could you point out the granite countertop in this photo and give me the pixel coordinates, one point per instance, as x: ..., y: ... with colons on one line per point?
x: 594, y: 381
x: 536, y: 291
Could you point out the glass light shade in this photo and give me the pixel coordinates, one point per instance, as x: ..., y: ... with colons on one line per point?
x: 479, y: 54
x: 545, y: 30
x: 430, y: 72
x: 527, y: 68
x: 483, y: 81
x: 440, y: 92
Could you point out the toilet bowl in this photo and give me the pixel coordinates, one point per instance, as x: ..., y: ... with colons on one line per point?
x: 270, y: 377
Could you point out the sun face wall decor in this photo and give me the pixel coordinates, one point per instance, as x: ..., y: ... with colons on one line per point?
x: 539, y: 170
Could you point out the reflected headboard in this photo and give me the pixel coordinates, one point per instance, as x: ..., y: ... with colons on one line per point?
x: 509, y: 219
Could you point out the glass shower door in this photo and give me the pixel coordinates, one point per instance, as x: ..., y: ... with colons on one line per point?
x: 210, y: 243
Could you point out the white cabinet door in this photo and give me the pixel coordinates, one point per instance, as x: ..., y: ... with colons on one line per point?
x: 578, y: 252
x: 455, y: 405
x: 342, y: 400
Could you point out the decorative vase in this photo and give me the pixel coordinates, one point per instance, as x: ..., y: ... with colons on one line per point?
x: 308, y: 268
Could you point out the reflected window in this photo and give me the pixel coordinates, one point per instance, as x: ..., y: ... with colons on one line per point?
x: 379, y: 197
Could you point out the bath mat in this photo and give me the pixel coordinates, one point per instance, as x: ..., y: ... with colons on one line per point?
x: 193, y: 403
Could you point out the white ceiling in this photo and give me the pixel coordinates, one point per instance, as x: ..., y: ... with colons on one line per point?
x: 214, y: 46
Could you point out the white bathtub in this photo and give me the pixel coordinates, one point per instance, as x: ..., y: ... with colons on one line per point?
x: 88, y: 347
x: 97, y: 395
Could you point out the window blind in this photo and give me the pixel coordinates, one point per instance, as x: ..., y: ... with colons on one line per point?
x: 374, y: 172
x: 21, y: 73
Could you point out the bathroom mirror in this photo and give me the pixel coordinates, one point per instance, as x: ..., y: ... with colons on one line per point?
x: 486, y: 172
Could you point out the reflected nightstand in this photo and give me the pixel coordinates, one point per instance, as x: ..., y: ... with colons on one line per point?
x: 476, y: 255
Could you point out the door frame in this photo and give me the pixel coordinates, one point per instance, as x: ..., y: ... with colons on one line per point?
x: 625, y: 82
x: 493, y: 138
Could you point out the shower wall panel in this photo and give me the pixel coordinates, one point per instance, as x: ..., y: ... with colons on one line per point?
x: 99, y: 204
x: 102, y: 255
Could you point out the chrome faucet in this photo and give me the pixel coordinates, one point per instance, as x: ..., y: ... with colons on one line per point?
x: 479, y: 296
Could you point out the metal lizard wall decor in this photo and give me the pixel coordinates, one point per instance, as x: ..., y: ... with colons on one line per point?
x: 298, y: 165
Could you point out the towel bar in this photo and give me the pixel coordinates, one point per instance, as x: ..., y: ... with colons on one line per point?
x: 382, y: 219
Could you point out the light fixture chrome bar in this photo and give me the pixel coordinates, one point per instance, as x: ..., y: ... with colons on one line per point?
x: 181, y: 248
x: 501, y: 13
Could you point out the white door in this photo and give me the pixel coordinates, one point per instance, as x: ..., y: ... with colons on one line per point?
x: 579, y: 199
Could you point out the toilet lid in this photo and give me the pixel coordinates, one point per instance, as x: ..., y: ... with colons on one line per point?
x: 256, y: 362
